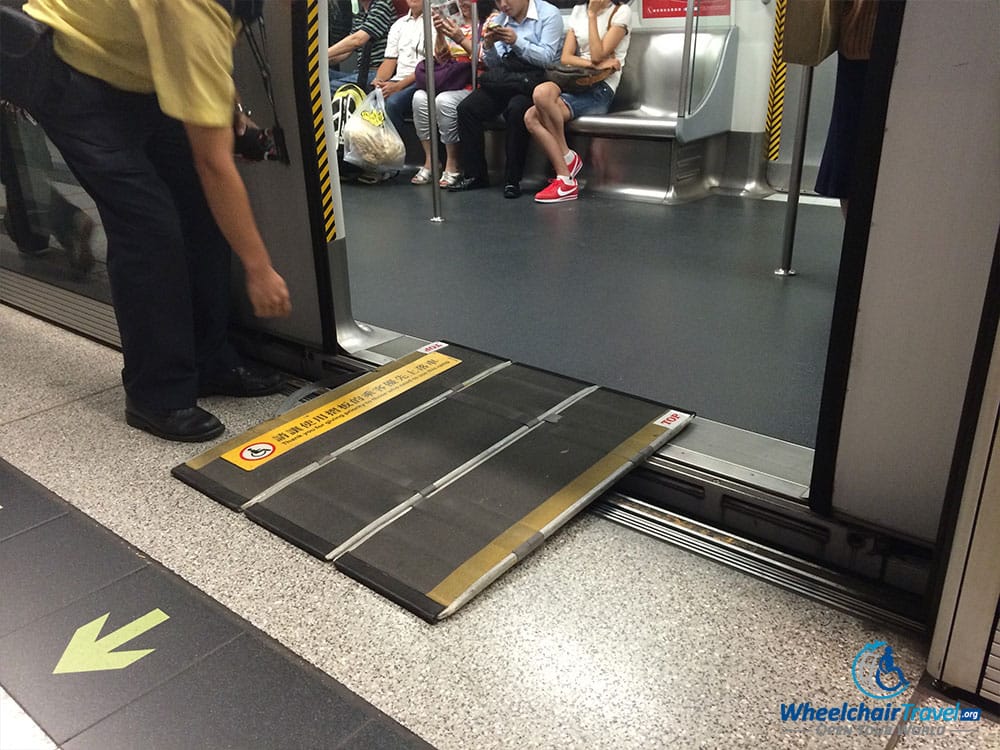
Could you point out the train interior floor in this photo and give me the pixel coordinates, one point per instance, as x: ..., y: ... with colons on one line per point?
x: 679, y: 304
x: 603, y: 638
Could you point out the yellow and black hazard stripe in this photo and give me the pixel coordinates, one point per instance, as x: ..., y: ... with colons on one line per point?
x: 306, y: 51
x: 319, y: 129
x: 776, y: 92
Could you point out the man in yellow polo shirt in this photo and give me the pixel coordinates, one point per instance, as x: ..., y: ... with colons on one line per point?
x: 140, y: 102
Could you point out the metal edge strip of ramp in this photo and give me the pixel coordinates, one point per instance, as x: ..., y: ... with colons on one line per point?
x: 434, y: 473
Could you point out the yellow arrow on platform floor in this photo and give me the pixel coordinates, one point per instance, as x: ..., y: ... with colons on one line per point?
x: 86, y: 652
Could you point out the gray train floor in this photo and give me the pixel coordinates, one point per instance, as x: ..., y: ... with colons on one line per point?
x: 674, y: 303
x: 603, y: 638
x: 679, y: 304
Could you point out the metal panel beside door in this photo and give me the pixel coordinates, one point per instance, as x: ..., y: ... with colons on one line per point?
x: 278, y: 192
x: 298, y: 205
x: 931, y: 242
x: 965, y: 651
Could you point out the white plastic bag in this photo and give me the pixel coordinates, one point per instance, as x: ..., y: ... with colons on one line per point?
x: 370, y: 140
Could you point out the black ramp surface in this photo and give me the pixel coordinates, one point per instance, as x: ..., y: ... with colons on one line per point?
x: 335, y: 503
x: 329, y: 507
x: 233, y: 485
x: 446, y: 548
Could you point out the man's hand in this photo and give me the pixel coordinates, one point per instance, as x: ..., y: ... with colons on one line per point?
x: 504, y: 34
x: 268, y: 293
x: 389, y: 87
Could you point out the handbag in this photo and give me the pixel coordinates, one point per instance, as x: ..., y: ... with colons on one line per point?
x: 512, y: 76
x: 812, y: 31
x: 857, y: 27
x: 25, y: 57
x: 450, y: 75
x: 575, y: 79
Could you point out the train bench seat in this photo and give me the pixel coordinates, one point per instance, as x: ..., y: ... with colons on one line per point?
x: 646, y: 102
x: 641, y: 149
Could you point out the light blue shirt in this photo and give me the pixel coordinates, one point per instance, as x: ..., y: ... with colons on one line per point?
x: 539, y: 36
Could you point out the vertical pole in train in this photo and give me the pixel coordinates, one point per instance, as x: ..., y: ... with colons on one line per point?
x: 795, y: 181
x: 775, y: 113
x: 475, y: 44
x: 432, y: 111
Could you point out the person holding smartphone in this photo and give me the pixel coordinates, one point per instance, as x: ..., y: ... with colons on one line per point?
x: 530, y: 30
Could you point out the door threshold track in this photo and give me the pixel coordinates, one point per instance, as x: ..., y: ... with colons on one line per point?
x: 845, y: 593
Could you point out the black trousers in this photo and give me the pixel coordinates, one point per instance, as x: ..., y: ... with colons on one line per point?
x: 474, y: 112
x: 168, y: 263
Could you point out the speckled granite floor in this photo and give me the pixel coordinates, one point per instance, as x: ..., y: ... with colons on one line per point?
x: 604, y: 638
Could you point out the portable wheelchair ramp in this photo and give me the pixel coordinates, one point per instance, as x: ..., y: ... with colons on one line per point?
x: 429, y: 477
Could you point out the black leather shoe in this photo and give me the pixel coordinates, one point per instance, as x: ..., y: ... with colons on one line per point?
x: 192, y: 425
x: 242, y: 380
x: 512, y: 190
x: 469, y: 183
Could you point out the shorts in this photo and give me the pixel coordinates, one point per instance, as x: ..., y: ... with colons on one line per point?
x: 593, y: 101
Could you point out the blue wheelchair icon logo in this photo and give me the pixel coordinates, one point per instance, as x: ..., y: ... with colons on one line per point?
x: 876, y: 674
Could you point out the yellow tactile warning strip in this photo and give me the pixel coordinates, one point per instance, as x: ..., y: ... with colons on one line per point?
x: 486, y: 564
x: 327, y: 400
x: 319, y: 124
x: 776, y: 92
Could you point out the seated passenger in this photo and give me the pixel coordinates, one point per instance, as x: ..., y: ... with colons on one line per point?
x: 371, y: 23
x: 404, y: 48
x: 598, y: 35
x: 452, y: 46
x: 528, y: 30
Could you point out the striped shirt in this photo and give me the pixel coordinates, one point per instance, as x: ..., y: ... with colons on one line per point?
x: 375, y: 21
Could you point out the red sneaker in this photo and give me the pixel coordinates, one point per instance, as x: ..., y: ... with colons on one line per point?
x: 575, y: 165
x: 558, y: 191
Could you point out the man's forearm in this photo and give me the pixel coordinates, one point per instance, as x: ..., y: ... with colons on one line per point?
x: 227, y: 195
x: 227, y: 198
x: 347, y: 45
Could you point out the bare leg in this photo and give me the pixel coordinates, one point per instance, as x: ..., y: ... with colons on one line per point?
x: 554, y: 113
x: 546, y: 121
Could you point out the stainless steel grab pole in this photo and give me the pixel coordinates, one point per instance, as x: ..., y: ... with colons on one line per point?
x: 795, y: 180
x: 432, y: 111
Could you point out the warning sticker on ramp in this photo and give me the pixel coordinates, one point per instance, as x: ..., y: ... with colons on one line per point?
x: 281, y: 438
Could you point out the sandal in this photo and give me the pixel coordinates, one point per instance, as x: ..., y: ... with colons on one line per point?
x: 448, y: 178
x: 422, y: 177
